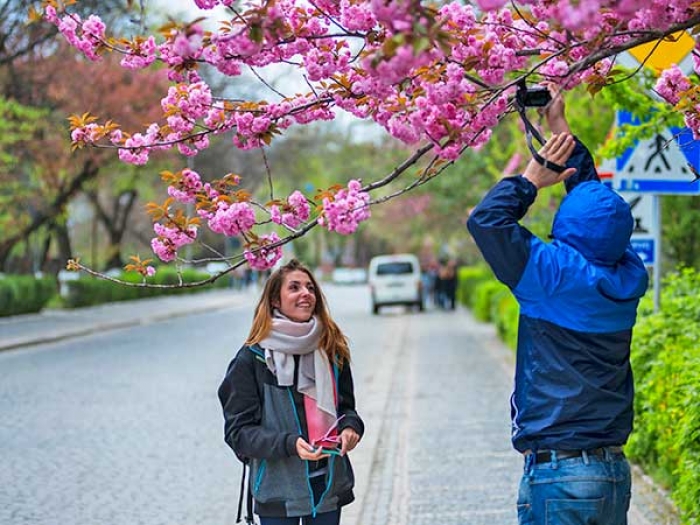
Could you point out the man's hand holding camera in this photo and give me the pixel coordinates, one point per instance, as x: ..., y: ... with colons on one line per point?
x: 557, y: 150
x: 554, y: 110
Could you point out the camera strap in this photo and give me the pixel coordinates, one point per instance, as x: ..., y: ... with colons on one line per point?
x: 530, y: 133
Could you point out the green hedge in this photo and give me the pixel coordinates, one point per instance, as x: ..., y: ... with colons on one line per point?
x: 666, y: 364
x: 23, y: 294
x: 484, y: 293
x: 505, y: 312
x: 88, y: 291
x: 468, y: 278
x: 492, y: 301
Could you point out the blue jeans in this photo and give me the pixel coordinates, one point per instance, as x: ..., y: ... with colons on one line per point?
x: 325, y: 518
x: 587, y: 490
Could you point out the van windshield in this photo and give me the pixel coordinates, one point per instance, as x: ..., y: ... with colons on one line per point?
x: 395, y: 268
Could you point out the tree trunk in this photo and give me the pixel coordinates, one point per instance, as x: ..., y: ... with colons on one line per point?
x: 49, y: 214
x: 115, y: 223
x: 65, y: 250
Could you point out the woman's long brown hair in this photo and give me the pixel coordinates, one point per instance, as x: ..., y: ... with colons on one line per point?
x: 332, y: 340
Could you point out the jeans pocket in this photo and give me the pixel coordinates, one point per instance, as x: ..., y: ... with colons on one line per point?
x: 574, y: 511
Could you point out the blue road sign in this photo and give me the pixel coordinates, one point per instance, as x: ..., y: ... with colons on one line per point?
x: 645, y: 250
x: 661, y: 165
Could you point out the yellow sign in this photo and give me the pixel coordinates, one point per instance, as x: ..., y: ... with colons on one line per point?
x: 661, y: 55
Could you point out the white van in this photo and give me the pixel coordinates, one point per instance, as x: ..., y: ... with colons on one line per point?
x: 395, y: 280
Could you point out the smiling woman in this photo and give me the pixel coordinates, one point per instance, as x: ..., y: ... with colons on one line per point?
x: 297, y: 297
x: 296, y: 365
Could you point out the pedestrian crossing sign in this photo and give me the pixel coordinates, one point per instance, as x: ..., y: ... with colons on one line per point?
x: 664, y: 164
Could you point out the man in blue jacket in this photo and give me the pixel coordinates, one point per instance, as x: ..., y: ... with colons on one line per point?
x: 572, y: 403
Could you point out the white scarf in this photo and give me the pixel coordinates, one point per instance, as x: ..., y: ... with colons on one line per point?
x: 289, y: 338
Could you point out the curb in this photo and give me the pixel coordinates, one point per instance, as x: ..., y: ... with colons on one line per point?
x: 653, y: 504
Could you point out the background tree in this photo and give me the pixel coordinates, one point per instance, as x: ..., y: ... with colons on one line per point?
x: 49, y: 174
x: 35, y: 198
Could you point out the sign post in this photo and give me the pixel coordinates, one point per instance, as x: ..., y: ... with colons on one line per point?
x: 657, y: 255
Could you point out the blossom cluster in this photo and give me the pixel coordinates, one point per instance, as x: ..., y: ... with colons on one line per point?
x: 672, y: 85
x: 142, y: 53
x: 187, y: 188
x: 295, y: 212
x: 346, y: 210
x: 266, y: 254
x: 87, y: 36
x: 232, y: 219
x: 170, y: 239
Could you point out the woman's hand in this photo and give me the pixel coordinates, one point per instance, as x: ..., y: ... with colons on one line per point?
x: 306, y: 451
x: 349, y: 440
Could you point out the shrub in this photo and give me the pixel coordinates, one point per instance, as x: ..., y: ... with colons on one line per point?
x: 22, y: 294
x: 483, y: 295
x: 666, y: 364
x: 505, y: 312
x: 468, y: 278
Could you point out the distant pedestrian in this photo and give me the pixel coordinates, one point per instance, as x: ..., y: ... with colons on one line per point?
x: 578, y: 297
x: 289, y: 404
x: 448, y: 278
x: 433, y: 270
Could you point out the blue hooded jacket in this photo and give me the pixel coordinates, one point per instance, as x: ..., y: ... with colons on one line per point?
x: 578, y: 298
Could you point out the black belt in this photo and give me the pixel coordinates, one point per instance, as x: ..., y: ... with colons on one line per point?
x: 547, y: 456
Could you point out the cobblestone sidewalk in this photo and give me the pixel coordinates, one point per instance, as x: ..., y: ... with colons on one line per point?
x: 443, y: 453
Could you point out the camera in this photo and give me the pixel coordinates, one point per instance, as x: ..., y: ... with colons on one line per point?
x: 533, y: 97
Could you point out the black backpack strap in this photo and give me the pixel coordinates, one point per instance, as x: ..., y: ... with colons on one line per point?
x: 249, y: 506
x: 240, y: 494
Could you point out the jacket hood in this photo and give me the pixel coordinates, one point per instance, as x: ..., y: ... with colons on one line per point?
x: 595, y: 221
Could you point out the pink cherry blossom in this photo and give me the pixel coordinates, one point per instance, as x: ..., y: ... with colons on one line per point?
x: 263, y: 256
x: 187, y: 188
x: 438, y: 78
x: 488, y: 5
x: 346, y: 210
x: 141, y: 55
x: 672, y: 83
x: 232, y: 219
x: 169, y: 240
x: 294, y: 213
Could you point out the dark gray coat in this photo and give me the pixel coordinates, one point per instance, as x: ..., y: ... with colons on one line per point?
x: 262, y: 422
